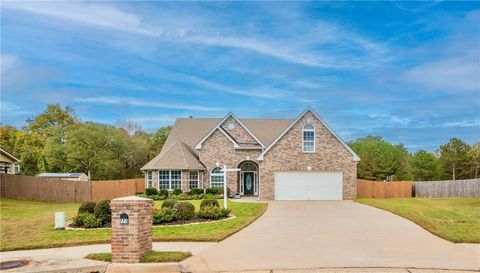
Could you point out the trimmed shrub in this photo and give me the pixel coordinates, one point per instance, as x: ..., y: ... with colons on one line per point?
x: 209, y: 202
x: 195, y: 191
x: 90, y: 221
x: 78, y: 220
x: 185, y: 210
x: 158, y: 197
x: 164, y: 215
x: 211, y: 191
x: 183, y: 196
x: 169, y: 203
x: 215, y: 191
x: 213, y: 213
x: 163, y: 192
x: 87, y: 207
x: 151, y: 191
x: 103, y: 212
x: 87, y: 220
x: 177, y: 191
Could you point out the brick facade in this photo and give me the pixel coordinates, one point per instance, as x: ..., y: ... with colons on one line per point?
x: 238, y: 133
x: 286, y: 154
x: 217, y: 148
x: 129, y: 242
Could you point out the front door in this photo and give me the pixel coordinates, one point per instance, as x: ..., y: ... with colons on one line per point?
x: 248, y: 181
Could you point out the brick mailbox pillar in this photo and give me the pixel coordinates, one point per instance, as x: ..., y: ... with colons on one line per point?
x: 131, y: 228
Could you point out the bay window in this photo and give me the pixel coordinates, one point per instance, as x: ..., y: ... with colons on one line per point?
x: 149, y: 179
x: 169, y: 180
x: 193, y: 180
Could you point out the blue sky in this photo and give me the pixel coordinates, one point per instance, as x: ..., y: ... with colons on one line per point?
x: 407, y: 71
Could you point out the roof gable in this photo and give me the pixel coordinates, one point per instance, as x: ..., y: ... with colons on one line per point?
x: 177, y: 156
x: 309, y: 109
x: 219, y: 127
x: 7, y: 154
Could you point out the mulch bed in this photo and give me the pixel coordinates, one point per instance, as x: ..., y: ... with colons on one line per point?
x: 70, y: 225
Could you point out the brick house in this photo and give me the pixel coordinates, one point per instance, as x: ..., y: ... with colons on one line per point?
x: 277, y: 159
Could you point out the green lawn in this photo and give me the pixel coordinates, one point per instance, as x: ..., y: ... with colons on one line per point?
x: 29, y: 224
x: 454, y: 219
x: 149, y: 257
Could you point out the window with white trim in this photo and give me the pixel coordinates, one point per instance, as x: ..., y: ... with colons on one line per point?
x: 169, y: 180
x: 149, y: 179
x: 193, y: 180
x: 216, y: 178
x: 16, y: 169
x: 175, y: 180
x: 163, y: 180
x: 308, y: 138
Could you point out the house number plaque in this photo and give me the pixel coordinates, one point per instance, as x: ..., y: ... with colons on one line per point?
x: 123, y: 219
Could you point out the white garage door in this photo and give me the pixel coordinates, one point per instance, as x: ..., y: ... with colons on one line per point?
x: 308, y: 185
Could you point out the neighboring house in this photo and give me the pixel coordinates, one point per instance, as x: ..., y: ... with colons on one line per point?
x: 66, y: 176
x: 281, y: 159
x: 8, y: 163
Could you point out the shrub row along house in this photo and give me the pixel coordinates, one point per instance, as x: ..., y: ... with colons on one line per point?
x: 281, y: 159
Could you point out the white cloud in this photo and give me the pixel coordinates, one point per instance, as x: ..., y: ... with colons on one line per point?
x: 146, y: 103
x: 261, y: 92
x: 453, y: 74
x: 462, y: 123
x: 9, y: 109
x: 296, y: 48
x: 8, y: 62
x: 157, y: 118
x: 389, y: 119
x: 16, y: 74
x: 86, y: 13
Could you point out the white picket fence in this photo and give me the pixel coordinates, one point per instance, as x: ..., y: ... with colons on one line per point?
x: 447, y: 188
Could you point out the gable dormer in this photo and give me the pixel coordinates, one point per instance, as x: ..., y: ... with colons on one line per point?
x: 236, y: 132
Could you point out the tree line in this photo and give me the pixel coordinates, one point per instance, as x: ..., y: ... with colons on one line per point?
x: 381, y: 160
x: 57, y: 141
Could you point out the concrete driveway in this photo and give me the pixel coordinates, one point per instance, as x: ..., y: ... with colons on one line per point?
x: 316, y: 234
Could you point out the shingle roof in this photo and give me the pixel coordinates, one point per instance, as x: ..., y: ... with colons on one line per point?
x: 176, y: 157
x: 178, y: 151
x: 7, y: 154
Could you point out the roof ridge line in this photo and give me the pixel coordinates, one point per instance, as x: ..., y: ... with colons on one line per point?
x: 230, y: 135
x: 183, y: 152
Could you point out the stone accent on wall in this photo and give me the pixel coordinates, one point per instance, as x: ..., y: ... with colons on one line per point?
x: 238, y: 132
x: 185, y: 181
x: 130, y: 241
x: 155, y: 179
x: 217, y: 148
x: 286, y: 154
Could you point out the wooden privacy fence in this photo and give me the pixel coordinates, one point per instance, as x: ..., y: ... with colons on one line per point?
x: 109, y: 189
x: 56, y: 190
x: 393, y: 189
x: 447, y: 188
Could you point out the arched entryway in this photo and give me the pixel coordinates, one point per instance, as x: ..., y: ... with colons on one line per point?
x: 248, y: 178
